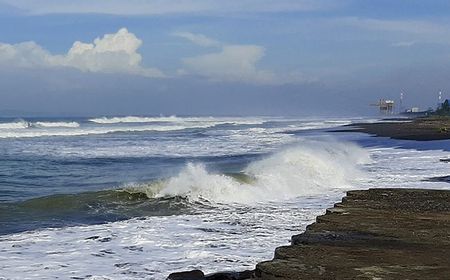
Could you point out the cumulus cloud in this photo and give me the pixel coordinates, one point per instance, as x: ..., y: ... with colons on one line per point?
x: 233, y: 63
x: 113, y: 53
x: 405, y: 26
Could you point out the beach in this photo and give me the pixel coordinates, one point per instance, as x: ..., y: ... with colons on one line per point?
x: 420, y: 129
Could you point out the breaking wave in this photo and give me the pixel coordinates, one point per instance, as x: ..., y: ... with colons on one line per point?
x: 22, y: 124
x: 306, y: 169
x: 174, y: 119
x: 20, y: 130
x: 309, y: 168
x: 56, y: 124
x: 136, y: 119
x: 15, y: 125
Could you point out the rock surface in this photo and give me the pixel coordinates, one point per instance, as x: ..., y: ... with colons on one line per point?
x: 371, y: 234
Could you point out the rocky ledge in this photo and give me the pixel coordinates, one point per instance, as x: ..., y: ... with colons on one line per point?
x: 371, y: 234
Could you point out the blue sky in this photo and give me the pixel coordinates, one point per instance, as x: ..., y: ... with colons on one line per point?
x: 221, y: 57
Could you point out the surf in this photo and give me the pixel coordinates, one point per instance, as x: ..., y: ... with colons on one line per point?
x: 308, y: 168
x: 303, y: 169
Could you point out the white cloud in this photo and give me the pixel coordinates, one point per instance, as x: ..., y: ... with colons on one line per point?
x: 405, y: 26
x: 235, y: 63
x: 232, y: 63
x: 114, y: 53
x: 404, y: 44
x: 198, y: 39
x: 159, y: 7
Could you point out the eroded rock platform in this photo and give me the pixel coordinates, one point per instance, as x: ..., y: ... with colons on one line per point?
x: 372, y: 234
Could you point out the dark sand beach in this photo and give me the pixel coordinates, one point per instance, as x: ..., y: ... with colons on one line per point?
x: 420, y: 129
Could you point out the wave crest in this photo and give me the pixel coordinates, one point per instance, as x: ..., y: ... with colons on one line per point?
x: 132, y: 119
x: 15, y: 125
x: 306, y: 169
x: 22, y: 124
x: 56, y: 124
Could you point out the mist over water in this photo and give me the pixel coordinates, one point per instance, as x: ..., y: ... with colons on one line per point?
x: 139, y: 196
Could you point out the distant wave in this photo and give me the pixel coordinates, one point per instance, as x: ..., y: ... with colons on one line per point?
x: 77, y: 131
x: 22, y: 124
x: 15, y: 125
x: 175, y: 119
x: 136, y: 119
x: 56, y: 124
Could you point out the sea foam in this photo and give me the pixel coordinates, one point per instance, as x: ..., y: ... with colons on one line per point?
x: 15, y: 125
x: 175, y: 119
x: 56, y: 124
x: 308, y: 168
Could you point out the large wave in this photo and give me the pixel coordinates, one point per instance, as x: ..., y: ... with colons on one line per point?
x: 308, y: 168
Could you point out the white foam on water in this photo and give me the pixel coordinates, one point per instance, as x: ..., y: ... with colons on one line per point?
x: 137, y: 119
x: 133, y: 119
x: 406, y: 168
x: 14, y: 125
x: 224, y: 238
x: 308, y: 168
x: 79, y: 131
x: 56, y: 124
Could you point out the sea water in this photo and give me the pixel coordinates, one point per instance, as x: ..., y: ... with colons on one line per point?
x: 139, y: 197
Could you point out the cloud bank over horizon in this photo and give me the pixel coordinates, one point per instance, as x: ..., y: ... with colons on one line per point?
x: 237, y: 56
x: 113, y: 53
x: 118, y: 53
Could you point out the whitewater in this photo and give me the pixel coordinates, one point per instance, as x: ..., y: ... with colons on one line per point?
x: 139, y: 197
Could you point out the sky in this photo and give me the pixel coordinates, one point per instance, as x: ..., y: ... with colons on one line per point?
x: 213, y: 57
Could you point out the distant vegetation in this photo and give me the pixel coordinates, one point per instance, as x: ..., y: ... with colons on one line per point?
x: 443, y: 109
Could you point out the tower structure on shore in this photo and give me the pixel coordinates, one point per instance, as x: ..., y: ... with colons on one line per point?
x: 440, y: 99
x: 400, y: 109
x: 386, y: 106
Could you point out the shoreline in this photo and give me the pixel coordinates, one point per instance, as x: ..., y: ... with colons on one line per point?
x: 418, y: 129
x: 371, y: 234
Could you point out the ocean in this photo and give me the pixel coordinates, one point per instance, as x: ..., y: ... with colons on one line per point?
x: 139, y: 197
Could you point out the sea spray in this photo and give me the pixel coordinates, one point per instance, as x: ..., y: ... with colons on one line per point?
x: 308, y: 168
